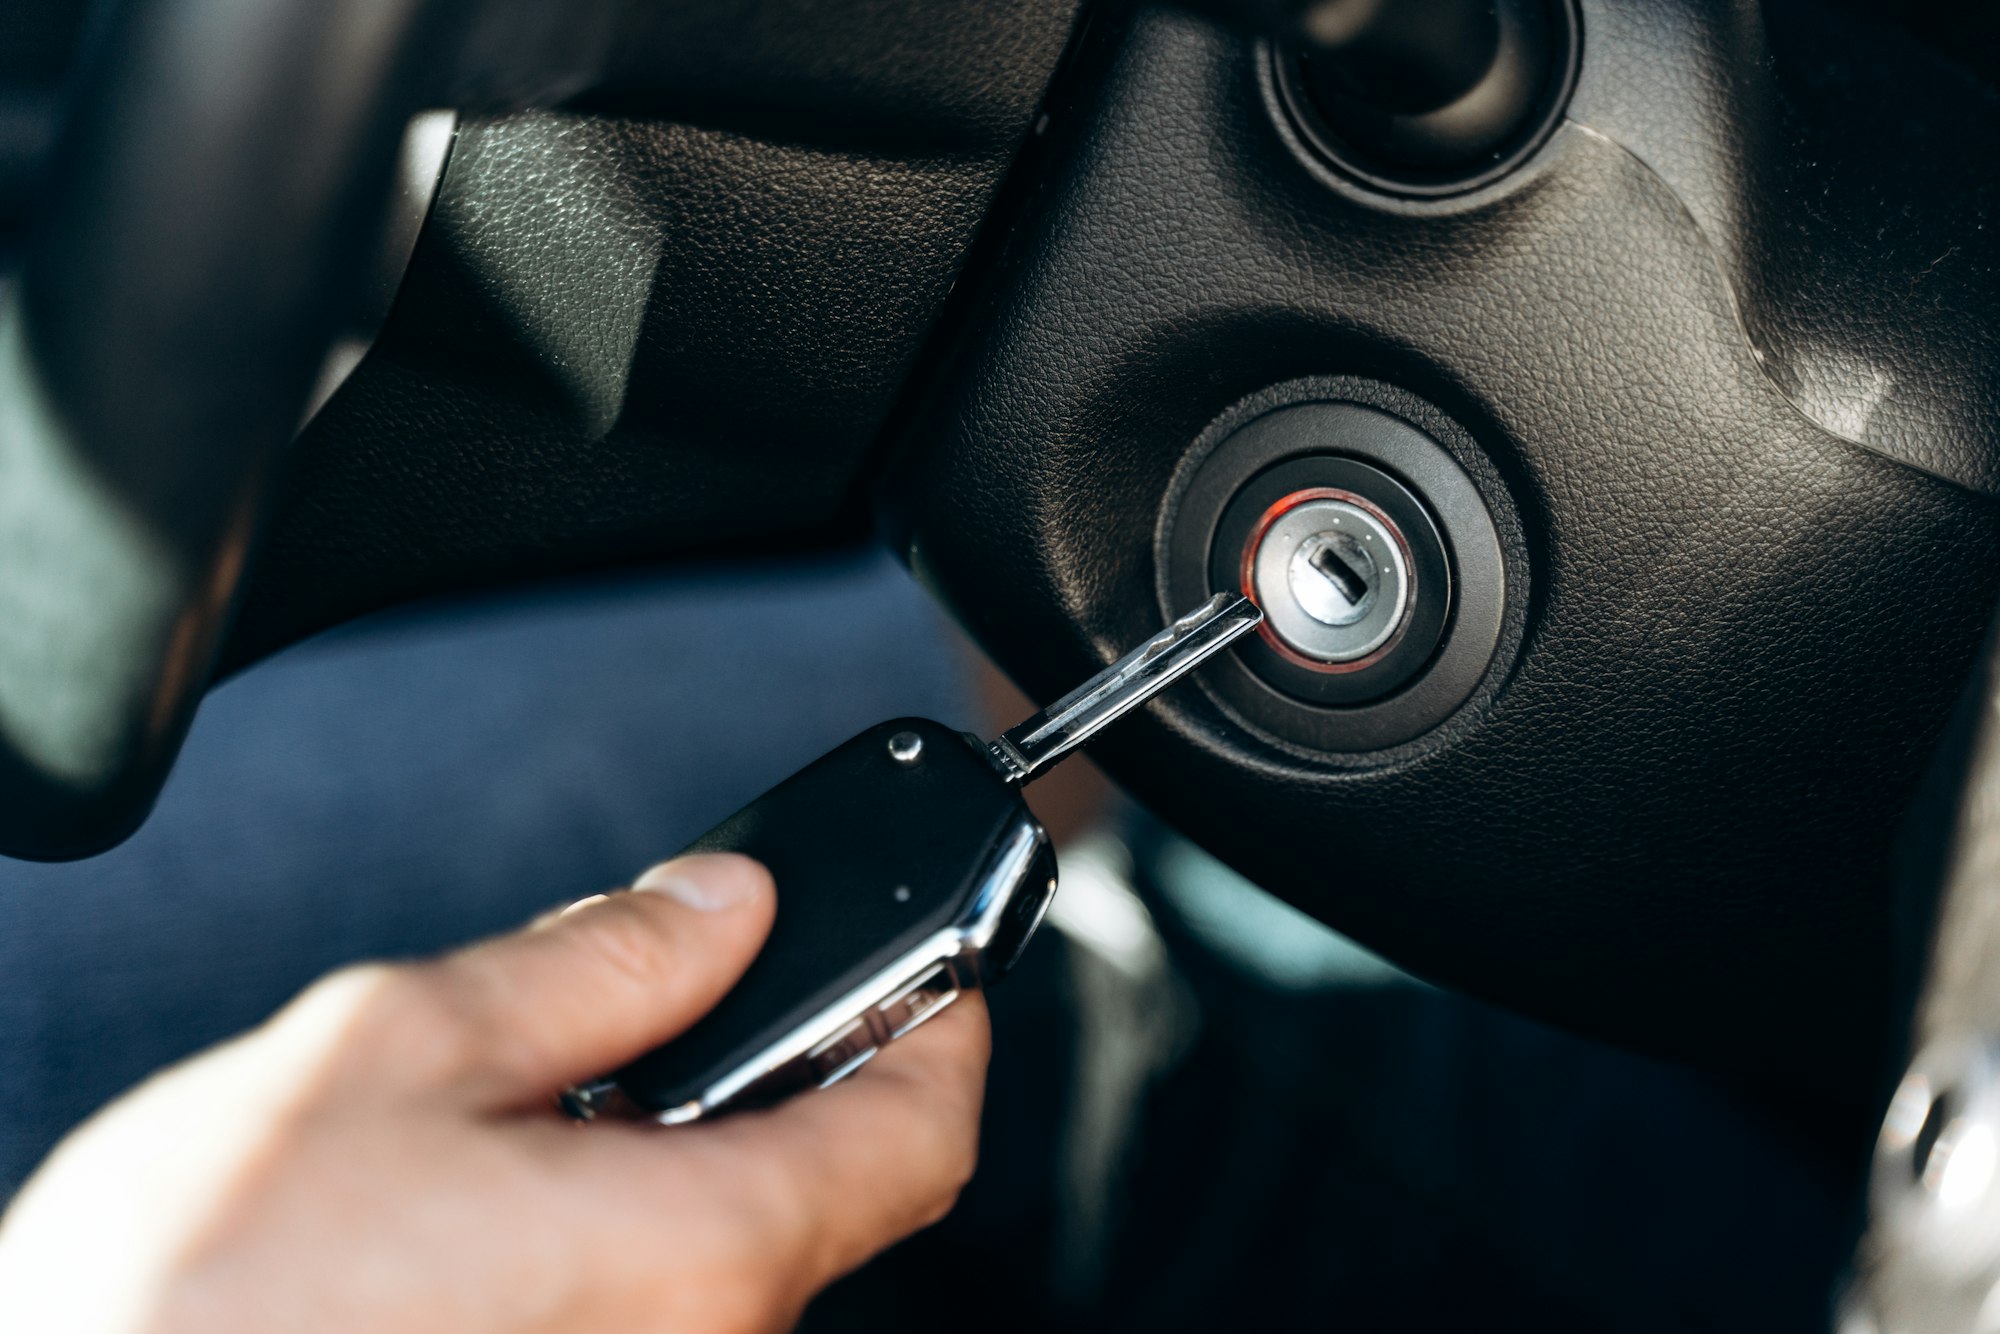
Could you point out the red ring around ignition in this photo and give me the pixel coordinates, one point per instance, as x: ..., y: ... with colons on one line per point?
x: 1283, y: 507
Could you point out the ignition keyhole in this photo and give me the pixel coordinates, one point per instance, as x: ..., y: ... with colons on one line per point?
x: 1353, y: 585
x: 1332, y: 575
x: 1335, y: 573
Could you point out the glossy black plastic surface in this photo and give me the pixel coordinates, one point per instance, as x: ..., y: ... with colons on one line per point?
x: 841, y: 837
x: 214, y: 196
x: 1410, y: 57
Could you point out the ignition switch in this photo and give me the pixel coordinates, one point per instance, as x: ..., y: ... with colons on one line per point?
x: 1351, y: 572
x: 1369, y: 548
x: 1333, y: 574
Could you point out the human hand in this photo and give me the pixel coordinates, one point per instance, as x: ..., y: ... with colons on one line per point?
x: 383, y: 1155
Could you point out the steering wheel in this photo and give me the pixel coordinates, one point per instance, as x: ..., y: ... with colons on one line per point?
x: 1667, y: 404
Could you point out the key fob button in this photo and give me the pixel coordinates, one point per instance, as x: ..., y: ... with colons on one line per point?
x: 842, y: 1054
x: 919, y: 1001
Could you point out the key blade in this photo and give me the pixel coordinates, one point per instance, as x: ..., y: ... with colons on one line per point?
x: 1021, y: 752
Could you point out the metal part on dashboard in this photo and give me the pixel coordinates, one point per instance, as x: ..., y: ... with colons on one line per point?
x: 1334, y: 575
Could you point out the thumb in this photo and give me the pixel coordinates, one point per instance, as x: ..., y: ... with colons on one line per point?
x: 584, y: 992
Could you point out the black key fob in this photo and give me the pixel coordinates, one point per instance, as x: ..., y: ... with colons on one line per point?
x: 908, y: 869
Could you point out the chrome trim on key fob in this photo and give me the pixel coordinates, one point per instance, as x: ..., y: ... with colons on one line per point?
x: 972, y: 952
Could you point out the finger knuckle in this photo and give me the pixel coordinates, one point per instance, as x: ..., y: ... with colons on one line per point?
x: 940, y: 1207
x: 780, y: 1207
x: 372, y: 1016
x: 954, y: 1156
x: 961, y: 1161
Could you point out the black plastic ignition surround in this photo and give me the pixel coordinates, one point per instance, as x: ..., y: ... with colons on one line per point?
x: 1409, y: 652
x: 1472, y: 570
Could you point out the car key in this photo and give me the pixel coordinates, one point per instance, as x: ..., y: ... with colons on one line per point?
x: 909, y: 871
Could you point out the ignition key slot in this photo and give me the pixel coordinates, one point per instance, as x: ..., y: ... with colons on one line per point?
x: 1316, y: 644
x: 1369, y: 548
x: 1332, y: 574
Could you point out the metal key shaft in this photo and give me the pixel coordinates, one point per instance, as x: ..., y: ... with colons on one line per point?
x: 1024, y: 751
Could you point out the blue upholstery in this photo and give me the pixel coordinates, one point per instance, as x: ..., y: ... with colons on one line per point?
x: 427, y: 777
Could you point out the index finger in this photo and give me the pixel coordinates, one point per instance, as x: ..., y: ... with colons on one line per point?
x: 853, y: 1169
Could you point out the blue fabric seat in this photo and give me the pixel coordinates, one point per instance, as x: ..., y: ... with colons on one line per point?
x: 430, y: 776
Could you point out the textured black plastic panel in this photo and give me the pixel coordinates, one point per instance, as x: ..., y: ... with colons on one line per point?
x: 1669, y: 824
x: 625, y: 338
x: 1848, y: 183
x: 905, y: 76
